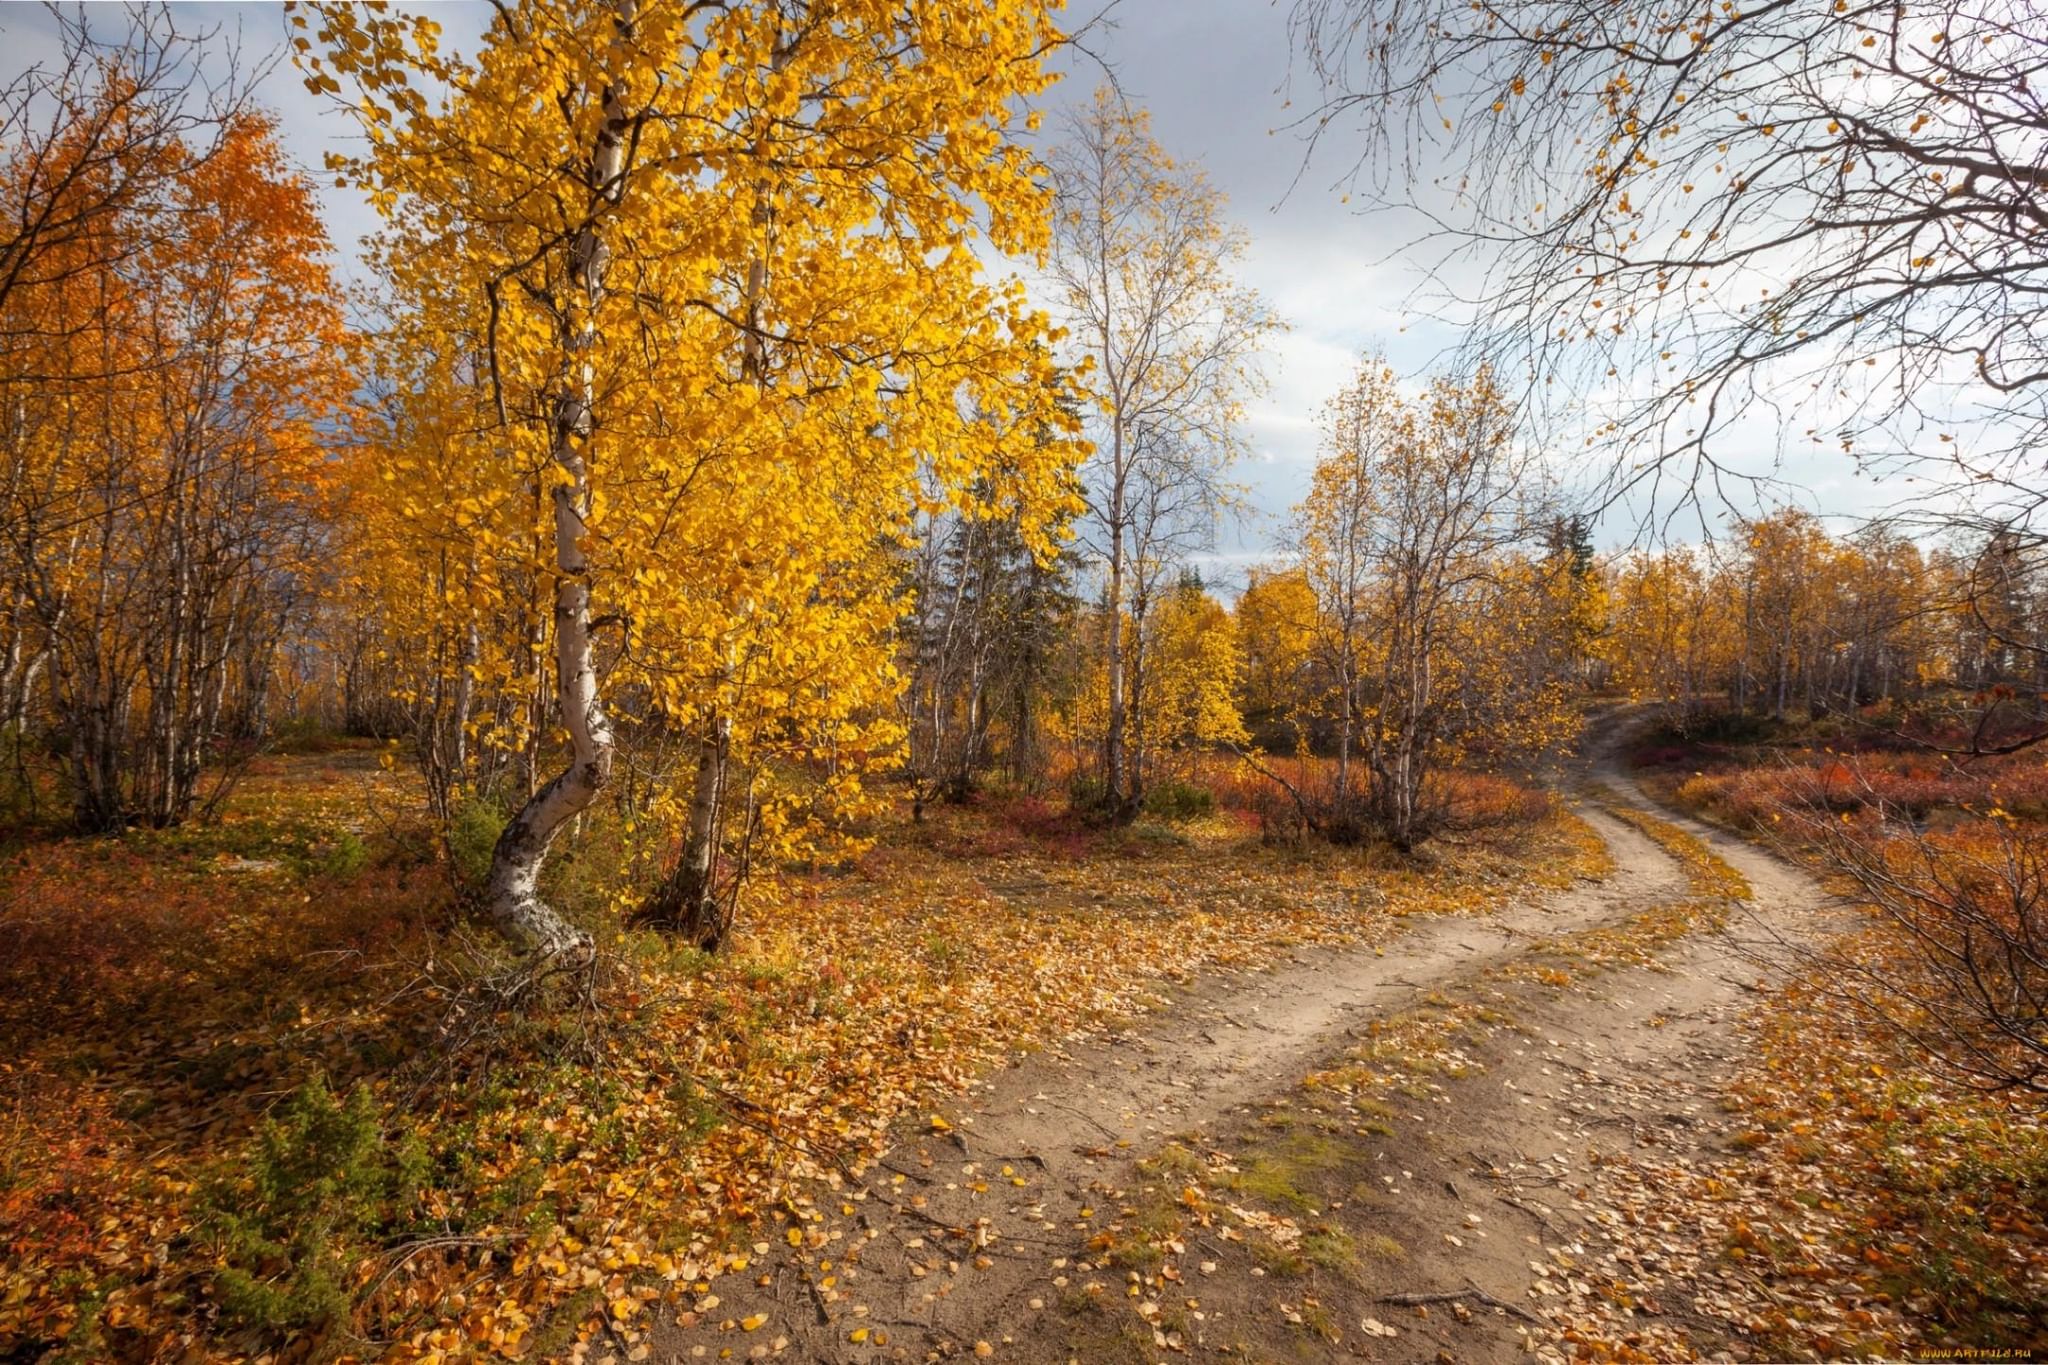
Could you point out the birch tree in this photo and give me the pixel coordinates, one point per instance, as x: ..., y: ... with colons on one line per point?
x: 1369, y: 431
x: 1143, y: 267
x: 714, y: 266
x: 1406, y: 538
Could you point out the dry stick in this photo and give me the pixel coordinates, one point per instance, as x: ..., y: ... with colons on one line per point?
x: 1516, y: 1178
x: 963, y: 1231
x: 403, y: 1254
x: 927, y: 1176
x: 466, y: 1288
x: 1089, y: 1119
x: 1417, y: 1300
x: 817, y: 1297
x: 1761, y: 1283
x: 1532, y: 1210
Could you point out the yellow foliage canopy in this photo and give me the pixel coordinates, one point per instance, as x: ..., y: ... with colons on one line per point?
x: 794, y: 349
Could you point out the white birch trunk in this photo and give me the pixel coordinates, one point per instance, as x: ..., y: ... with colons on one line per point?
x: 513, y: 888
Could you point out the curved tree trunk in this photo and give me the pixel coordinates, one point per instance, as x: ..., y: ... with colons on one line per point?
x: 513, y: 888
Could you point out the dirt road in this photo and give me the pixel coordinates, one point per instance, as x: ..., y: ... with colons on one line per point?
x: 1173, y: 1191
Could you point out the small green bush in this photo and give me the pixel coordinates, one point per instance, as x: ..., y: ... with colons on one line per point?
x: 1179, y: 801
x: 322, y: 1185
x: 473, y: 832
x: 345, y: 858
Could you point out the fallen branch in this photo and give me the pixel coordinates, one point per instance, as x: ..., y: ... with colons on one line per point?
x: 1089, y: 1119
x: 1532, y: 1210
x: 1473, y: 1292
x: 817, y: 1296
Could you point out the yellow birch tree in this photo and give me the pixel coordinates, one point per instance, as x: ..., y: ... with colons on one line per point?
x: 707, y: 279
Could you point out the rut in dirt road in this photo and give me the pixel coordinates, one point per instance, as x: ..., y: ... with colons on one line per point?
x: 984, y: 1233
x: 1228, y: 1041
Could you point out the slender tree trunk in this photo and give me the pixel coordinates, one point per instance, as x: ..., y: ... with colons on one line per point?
x: 1344, y: 747
x: 960, y: 783
x: 685, y: 904
x: 1113, y: 778
x: 22, y: 694
x: 465, y: 698
x: 1347, y: 687
x: 513, y: 887
x: 1134, y: 703
x: 1134, y: 713
x: 1742, y: 668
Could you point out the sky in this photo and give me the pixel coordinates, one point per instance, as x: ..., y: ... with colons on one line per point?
x: 1217, y: 77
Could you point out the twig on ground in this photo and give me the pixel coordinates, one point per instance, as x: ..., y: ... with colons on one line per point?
x: 1471, y: 1291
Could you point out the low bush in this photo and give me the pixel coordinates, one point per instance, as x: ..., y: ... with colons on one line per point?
x: 472, y: 833
x: 1087, y: 794
x: 1179, y: 801
x: 323, y: 1186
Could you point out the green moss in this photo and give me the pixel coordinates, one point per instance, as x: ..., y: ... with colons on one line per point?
x: 1329, y: 1247
x: 1382, y: 1248
x: 1173, y: 1159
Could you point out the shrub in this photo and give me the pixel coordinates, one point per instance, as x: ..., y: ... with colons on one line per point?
x: 346, y: 858
x: 1729, y: 727
x: 306, y: 735
x: 1663, y: 756
x: 1017, y: 821
x: 323, y: 1185
x: 473, y: 830
x: 1491, y: 801
x: 1087, y: 794
x: 1279, y: 819
x: 1179, y: 801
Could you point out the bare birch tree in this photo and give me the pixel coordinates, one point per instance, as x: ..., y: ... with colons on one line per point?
x: 1143, y: 266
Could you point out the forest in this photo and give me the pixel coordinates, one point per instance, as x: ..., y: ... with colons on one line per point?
x: 787, y: 679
